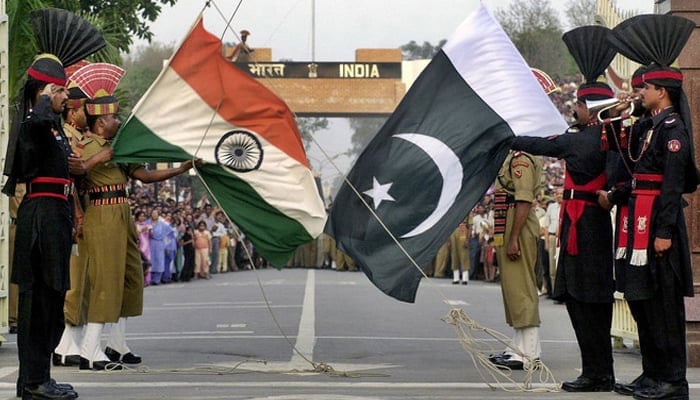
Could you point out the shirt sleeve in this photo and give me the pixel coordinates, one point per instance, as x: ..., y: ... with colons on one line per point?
x: 524, y: 179
x: 676, y: 149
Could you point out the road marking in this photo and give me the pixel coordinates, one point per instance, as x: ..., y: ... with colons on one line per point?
x: 214, y: 303
x: 5, y: 371
x: 222, y: 326
x: 221, y: 307
x: 456, y: 302
x: 306, y: 337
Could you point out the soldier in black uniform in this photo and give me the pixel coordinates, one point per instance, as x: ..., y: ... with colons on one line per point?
x: 39, y: 155
x: 585, y: 271
x: 658, y: 274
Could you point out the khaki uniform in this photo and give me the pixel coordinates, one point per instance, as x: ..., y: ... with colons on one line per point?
x: 440, y: 261
x: 115, y: 275
x: 459, y: 251
x: 75, y: 305
x: 520, y: 177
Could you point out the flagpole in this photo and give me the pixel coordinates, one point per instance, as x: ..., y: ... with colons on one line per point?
x: 313, y: 31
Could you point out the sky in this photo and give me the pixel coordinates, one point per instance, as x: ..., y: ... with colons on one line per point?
x: 340, y: 27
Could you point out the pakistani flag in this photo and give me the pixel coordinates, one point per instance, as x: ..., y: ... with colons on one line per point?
x: 256, y: 169
x: 438, y: 153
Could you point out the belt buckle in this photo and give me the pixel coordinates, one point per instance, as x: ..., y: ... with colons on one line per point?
x: 634, y: 183
x: 571, y: 194
x: 67, y: 189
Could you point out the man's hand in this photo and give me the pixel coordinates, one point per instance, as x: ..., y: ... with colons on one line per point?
x: 513, y: 250
x: 76, y: 166
x: 104, y: 155
x: 603, y: 199
x: 661, y: 245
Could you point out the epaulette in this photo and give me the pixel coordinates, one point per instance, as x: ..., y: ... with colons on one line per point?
x: 85, y: 142
x: 671, y: 121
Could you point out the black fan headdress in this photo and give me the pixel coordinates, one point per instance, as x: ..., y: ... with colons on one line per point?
x: 589, y: 47
x: 623, y: 44
x: 63, y: 39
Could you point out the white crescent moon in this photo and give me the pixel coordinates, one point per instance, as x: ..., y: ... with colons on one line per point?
x: 450, y: 169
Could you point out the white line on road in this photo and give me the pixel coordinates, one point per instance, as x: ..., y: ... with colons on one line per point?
x: 306, y: 338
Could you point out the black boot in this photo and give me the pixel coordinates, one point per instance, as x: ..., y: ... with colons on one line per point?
x: 586, y: 384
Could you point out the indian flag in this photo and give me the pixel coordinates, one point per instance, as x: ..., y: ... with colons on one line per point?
x: 255, y: 165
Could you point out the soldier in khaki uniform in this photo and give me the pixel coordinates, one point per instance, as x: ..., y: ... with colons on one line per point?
x: 459, y: 253
x: 115, y: 275
x: 440, y: 261
x: 516, y: 232
x: 75, y: 308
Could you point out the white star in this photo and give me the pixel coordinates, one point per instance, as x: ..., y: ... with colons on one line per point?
x: 379, y: 192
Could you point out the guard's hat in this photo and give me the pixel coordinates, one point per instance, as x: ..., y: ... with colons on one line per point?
x: 99, y: 81
x: 593, y: 54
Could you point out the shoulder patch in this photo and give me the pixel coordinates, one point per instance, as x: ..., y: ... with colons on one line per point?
x: 520, y: 163
x: 673, y: 145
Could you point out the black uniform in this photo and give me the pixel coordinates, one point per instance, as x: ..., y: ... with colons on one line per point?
x: 584, y: 280
x: 655, y: 291
x: 43, y: 241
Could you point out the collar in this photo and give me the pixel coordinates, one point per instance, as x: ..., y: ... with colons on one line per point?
x: 659, y: 115
x: 99, y: 139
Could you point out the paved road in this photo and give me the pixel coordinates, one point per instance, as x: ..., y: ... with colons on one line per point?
x: 217, y: 339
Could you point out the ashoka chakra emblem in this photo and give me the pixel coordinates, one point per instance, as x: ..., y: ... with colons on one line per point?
x: 239, y: 150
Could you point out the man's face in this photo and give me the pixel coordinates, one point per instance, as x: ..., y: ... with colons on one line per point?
x: 59, y: 98
x: 110, y: 125
x: 651, y: 96
x: 78, y: 117
x: 581, y: 112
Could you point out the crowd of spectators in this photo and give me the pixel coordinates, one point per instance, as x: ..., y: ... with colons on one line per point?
x: 183, y: 239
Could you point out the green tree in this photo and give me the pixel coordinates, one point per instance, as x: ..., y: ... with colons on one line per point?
x: 142, y: 68
x: 536, y: 32
x: 581, y: 13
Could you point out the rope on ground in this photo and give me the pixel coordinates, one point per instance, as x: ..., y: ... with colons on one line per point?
x: 479, y: 351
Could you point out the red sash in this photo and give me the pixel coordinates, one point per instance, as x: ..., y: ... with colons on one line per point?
x: 622, y: 228
x: 574, y: 207
x: 643, y: 205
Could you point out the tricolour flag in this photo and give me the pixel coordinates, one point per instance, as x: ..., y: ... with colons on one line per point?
x: 203, y: 106
x: 438, y: 153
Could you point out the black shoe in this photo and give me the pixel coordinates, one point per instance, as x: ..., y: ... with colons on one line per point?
x: 641, y: 382
x: 47, y: 391
x: 585, y: 384
x: 86, y: 364
x: 465, y: 282
x: 60, y: 360
x: 128, y: 358
x: 502, y: 355
x: 663, y: 391
x: 508, y: 363
x: 455, y: 282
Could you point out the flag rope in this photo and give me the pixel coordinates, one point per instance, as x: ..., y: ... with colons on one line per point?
x: 464, y: 326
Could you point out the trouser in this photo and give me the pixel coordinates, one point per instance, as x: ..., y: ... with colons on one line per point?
x: 12, y: 290
x: 40, y: 325
x: 474, y: 257
x: 552, y: 253
x: 440, y: 261
x: 214, y: 254
x: 167, y: 272
x: 661, y: 328
x: 592, y: 322
x: 223, y: 259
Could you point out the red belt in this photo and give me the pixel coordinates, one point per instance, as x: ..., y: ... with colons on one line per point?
x: 47, y: 186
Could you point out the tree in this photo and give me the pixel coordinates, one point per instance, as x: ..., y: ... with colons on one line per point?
x: 534, y: 28
x: 581, y: 13
x: 413, y: 51
x: 308, y: 126
x: 142, y: 68
x: 118, y: 21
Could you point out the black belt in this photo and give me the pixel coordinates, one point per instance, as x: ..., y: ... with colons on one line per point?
x: 572, y: 194
x: 107, y: 195
x: 645, y: 185
x: 49, y: 187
